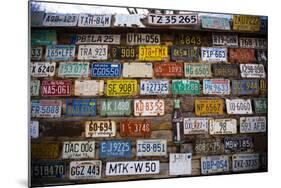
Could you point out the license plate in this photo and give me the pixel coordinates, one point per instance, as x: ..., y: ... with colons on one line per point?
x: 125, y: 168
x: 115, y: 149
x: 48, y: 169
x: 196, y: 125
x: 46, y: 108
x: 168, y: 69
x: 180, y: 164
x: 225, y: 70
x: 225, y: 40
x: 121, y: 87
x: 253, y: 124
x: 43, y: 37
x: 241, y: 55
x: 73, y: 69
x: 34, y: 129
x: 238, y: 144
x: 36, y: 53
x: 123, y: 52
x: 149, y: 107
x: 78, y: 149
x: 182, y: 87
x: 208, y: 146
x: 42, y: 69
x: 260, y: 105
x: 223, y: 126
x: 88, y: 87
x: 194, y: 70
x: 128, y: 20
x: 115, y: 107
x: 135, y: 128
x: 215, y: 23
x: 214, y: 164
x: 92, y: 52
x: 56, y: 88
x: 55, y: 20
x: 263, y: 87
x: 209, y: 107
x: 34, y: 87
x: 97, y: 129
x: 245, y: 87
x: 44, y: 151
x: 252, y: 71
x: 60, y: 52
x: 173, y: 19
x: 142, y: 39
x: 131, y: 70
x: 260, y: 43
x: 153, y: 53
x: 154, y: 87
x: 151, y: 147
x: 189, y: 39
x: 246, y: 23
x: 94, y: 20
x: 261, y: 55
x: 210, y: 54
x: 81, y: 107
x: 85, y: 170
x: 106, y: 70
x: 97, y: 39
x: 238, y: 106
x: 185, y: 53
x: 216, y: 87
x: 244, y: 162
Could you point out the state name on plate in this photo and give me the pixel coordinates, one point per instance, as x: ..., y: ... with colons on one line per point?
x: 85, y: 170
x: 180, y: 164
x: 254, y: 124
x: 244, y: 162
x: 78, y: 149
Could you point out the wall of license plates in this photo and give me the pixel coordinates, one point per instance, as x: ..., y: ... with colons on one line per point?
x: 141, y: 96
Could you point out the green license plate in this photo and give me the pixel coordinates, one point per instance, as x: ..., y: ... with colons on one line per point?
x: 260, y: 105
x: 118, y: 107
x: 191, y: 87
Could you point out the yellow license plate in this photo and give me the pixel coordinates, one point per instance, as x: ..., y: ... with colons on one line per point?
x: 205, y: 107
x: 121, y: 88
x: 153, y: 53
x: 44, y: 151
x: 246, y: 23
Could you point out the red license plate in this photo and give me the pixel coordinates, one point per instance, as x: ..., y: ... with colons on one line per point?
x: 56, y: 88
x: 168, y: 69
x: 135, y: 128
x: 242, y: 55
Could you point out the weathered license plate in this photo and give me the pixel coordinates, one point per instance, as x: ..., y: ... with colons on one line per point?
x: 34, y: 87
x: 149, y: 107
x: 215, y: 23
x: 97, y: 39
x: 44, y: 151
x: 153, y: 53
x: 92, y: 52
x: 209, y: 107
x: 46, y: 108
x: 128, y: 20
x: 225, y: 40
x: 225, y: 70
x: 216, y: 87
x: 185, y: 53
x: 168, y: 69
x: 246, y: 23
x: 123, y: 52
x: 194, y: 70
x: 252, y: 71
x: 238, y: 144
x: 188, y: 39
x: 208, y: 146
x: 115, y: 149
x: 85, y: 170
x: 154, y: 87
x: 88, y: 87
x: 60, y: 52
x: 245, y: 87
x: 260, y: 105
x: 191, y: 87
x: 94, y: 20
x: 244, y: 162
x: 214, y: 164
x: 261, y: 55
x: 81, y: 107
x: 106, y: 70
x: 238, y: 106
x: 143, y: 39
x: 48, y: 169
x: 135, y: 128
x: 36, y: 53
x: 100, y: 129
x: 196, y: 125
x: 173, y: 19
x: 43, y: 37
x: 42, y: 69
x: 263, y: 87
x: 260, y: 43
x: 180, y: 164
x: 56, y: 88
x: 132, y: 70
x: 73, y: 69
x: 241, y: 55
x: 121, y: 87
x: 151, y: 147
x: 211, y: 54
x: 55, y: 20
x: 125, y: 168
x: 78, y: 149
x: 253, y: 124
x: 115, y: 107
x: 222, y: 126
x: 34, y: 129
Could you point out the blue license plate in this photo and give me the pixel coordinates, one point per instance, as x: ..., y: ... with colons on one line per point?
x: 185, y: 53
x: 48, y: 169
x: 115, y: 148
x: 245, y: 87
x: 106, y: 70
x: 81, y: 107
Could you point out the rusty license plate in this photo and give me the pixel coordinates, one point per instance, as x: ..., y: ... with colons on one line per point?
x: 135, y: 128
x: 168, y: 69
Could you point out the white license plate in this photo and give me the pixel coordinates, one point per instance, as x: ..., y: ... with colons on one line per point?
x: 92, y: 52
x: 253, y: 124
x: 36, y: 53
x: 180, y: 164
x: 216, y: 87
x: 142, y: 39
x: 196, y: 125
x: 151, y: 147
x: 238, y: 106
x: 42, y: 69
x: 173, y: 19
x: 94, y: 20
x: 225, y: 40
x: 60, y: 52
x: 214, y: 164
x: 132, y: 70
x: 88, y: 87
x: 210, y: 54
x: 34, y: 129
x: 253, y: 43
x: 34, y: 87
x: 73, y: 69
x: 149, y: 107
x: 154, y: 87
x: 85, y: 170
x: 78, y: 149
x: 194, y: 70
x: 46, y: 108
x: 128, y: 20
x: 100, y: 129
x: 53, y: 19
x: 252, y: 71
x: 97, y: 39
x: 124, y: 168
x: 244, y: 162
x: 223, y: 126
